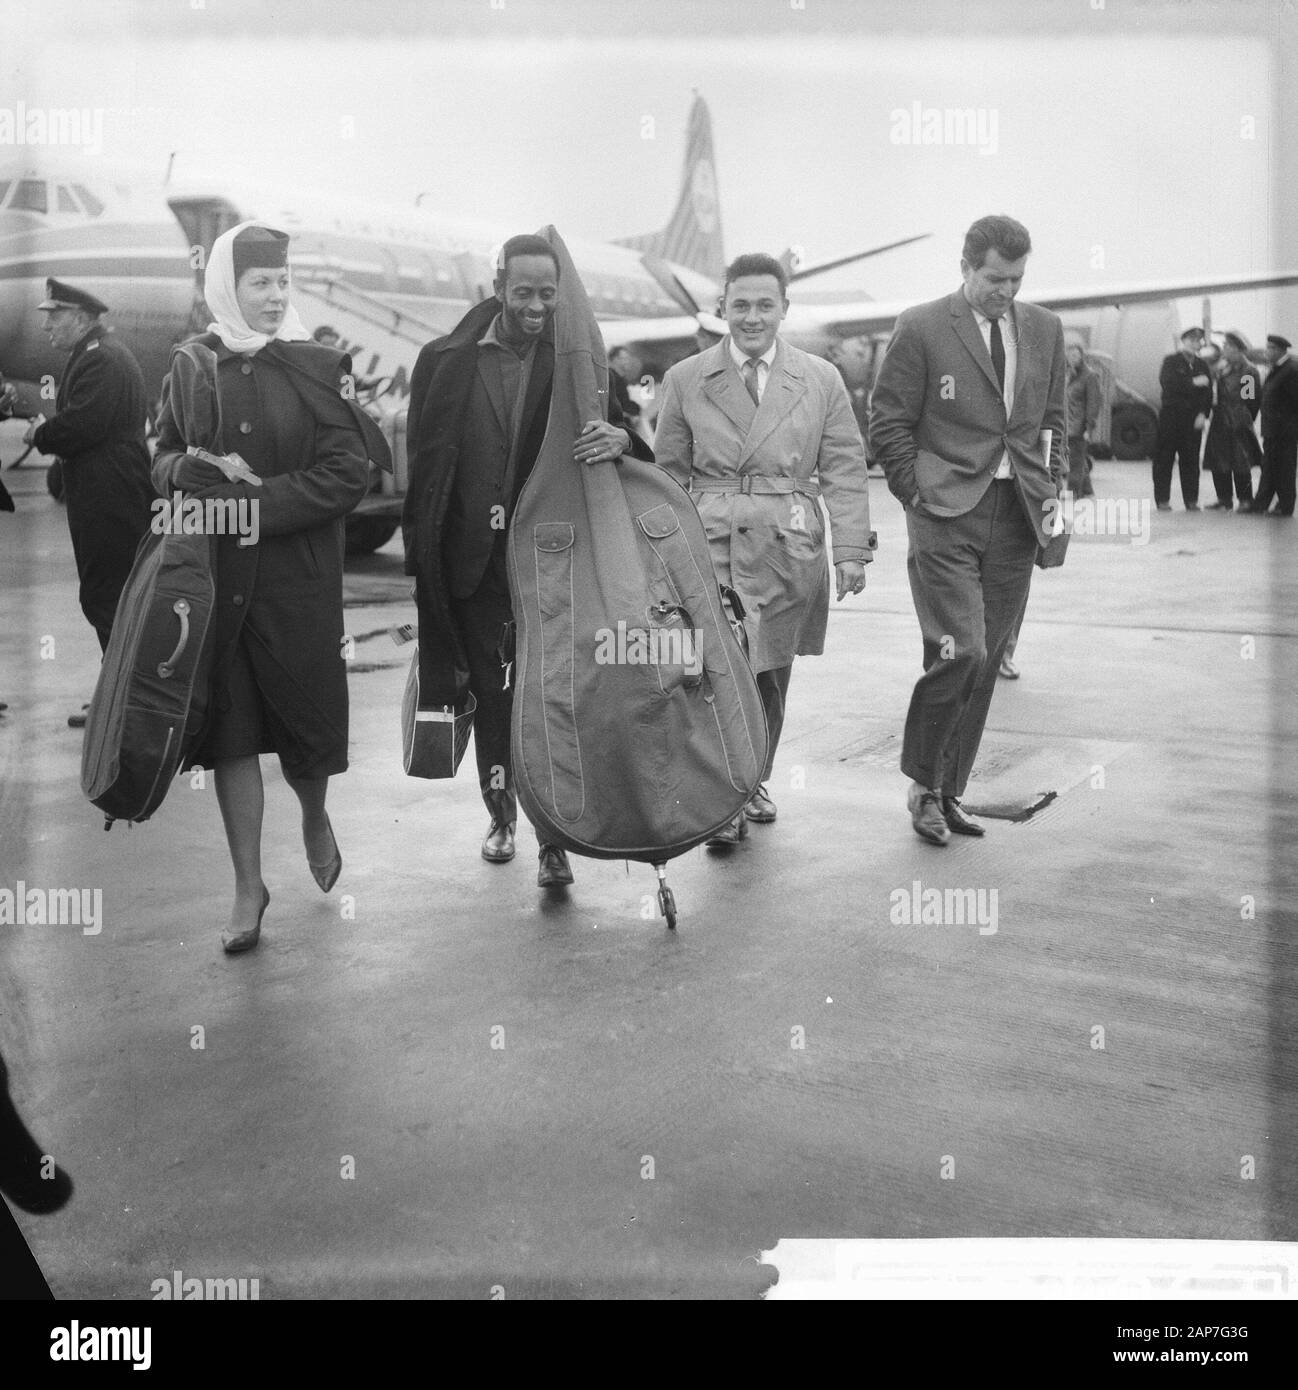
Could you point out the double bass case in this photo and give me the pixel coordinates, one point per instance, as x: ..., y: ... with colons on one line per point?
x: 638, y: 730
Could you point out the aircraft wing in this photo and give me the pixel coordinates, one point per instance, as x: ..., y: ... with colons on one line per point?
x: 853, y: 318
x: 648, y: 332
x: 825, y: 321
x: 847, y: 320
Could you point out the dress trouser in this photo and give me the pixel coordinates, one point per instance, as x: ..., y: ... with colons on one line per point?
x: 1177, y: 439
x: 969, y: 577
x: 1279, y: 466
x: 104, y: 548
x: 1079, y: 467
x: 1242, y: 471
x: 773, y: 686
x: 484, y: 620
x: 1012, y: 645
x: 1240, y: 478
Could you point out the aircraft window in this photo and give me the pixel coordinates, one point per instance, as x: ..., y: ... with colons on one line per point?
x: 66, y: 203
x: 91, y: 204
x: 30, y: 196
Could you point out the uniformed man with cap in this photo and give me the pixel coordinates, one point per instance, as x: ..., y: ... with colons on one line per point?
x: 97, y: 430
x: 1279, y: 429
x: 1187, y: 401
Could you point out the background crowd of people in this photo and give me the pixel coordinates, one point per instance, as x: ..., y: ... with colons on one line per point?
x: 1213, y: 399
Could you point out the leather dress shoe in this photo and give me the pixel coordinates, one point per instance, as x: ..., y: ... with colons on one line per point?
x: 730, y: 834
x: 1008, y: 670
x: 958, y: 819
x: 498, y: 846
x: 78, y: 721
x: 554, y: 870
x: 232, y: 943
x: 1191, y: 506
x: 926, y: 814
x: 760, y: 807
x: 1164, y: 506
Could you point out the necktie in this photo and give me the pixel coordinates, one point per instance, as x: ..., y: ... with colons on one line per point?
x: 750, y: 378
x: 998, y: 353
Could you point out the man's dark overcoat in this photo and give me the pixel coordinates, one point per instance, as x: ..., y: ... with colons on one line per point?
x: 445, y: 559
x: 97, y: 431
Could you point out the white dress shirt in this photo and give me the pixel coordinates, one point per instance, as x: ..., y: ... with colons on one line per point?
x: 763, y: 364
x: 1010, y: 341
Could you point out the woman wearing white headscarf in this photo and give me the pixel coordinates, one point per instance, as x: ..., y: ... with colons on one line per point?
x: 295, y: 447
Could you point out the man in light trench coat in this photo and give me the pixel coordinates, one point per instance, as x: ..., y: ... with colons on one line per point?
x: 760, y: 431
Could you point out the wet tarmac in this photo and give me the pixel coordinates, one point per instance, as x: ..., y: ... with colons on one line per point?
x: 439, y: 1081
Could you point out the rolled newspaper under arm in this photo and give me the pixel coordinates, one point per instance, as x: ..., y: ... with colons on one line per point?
x: 1051, y: 554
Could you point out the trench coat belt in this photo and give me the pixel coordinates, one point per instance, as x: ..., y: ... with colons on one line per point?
x: 758, y: 483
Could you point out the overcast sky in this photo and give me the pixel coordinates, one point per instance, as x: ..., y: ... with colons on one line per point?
x: 1151, y: 142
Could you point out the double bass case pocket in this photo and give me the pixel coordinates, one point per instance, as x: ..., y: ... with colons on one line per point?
x: 674, y: 640
x: 553, y: 542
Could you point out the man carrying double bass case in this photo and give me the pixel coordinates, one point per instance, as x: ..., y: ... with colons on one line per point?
x: 479, y: 402
x: 98, y: 432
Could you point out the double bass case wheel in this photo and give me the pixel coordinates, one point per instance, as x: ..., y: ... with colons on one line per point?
x: 666, y: 899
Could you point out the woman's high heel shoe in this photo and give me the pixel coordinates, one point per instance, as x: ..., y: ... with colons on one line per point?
x: 232, y: 942
x: 326, y: 875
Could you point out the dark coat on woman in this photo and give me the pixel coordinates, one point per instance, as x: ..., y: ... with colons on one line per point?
x: 280, y: 600
x: 1231, y: 445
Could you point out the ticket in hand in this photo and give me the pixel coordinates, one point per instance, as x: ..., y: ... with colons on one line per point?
x: 234, y: 468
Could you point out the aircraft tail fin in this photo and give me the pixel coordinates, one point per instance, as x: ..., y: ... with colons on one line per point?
x: 692, y: 237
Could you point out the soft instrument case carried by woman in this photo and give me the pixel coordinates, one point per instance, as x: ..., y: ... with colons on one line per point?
x: 151, y: 696
x: 638, y: 729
